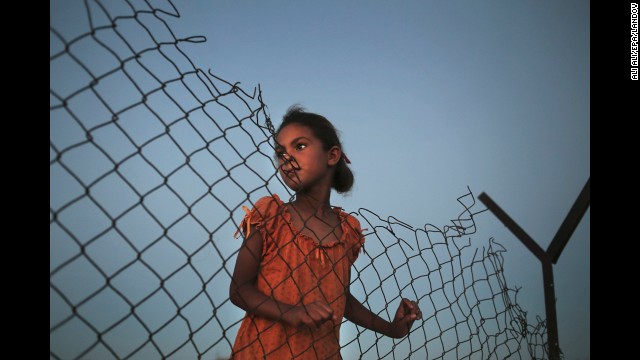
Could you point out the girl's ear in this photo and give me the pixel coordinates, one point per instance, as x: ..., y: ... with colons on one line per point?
x: 334, y: 155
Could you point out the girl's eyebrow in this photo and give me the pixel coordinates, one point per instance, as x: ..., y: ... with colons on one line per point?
x: 280, y: 147
x: 298, y: 139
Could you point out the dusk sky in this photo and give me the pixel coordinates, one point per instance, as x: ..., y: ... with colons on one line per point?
x: 430, y: 97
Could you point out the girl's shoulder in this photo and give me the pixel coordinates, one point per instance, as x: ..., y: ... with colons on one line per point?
x: 268, y: 207
x: 350, y: 220
x: 263, y: 214
x: 269, y: 201
x: 353, y: 234
x: 346, y: 216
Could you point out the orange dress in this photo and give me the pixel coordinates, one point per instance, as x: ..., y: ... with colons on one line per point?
x: 296, y: 270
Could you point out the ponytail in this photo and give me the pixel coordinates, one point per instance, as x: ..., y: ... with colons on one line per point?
x: 343, y: 177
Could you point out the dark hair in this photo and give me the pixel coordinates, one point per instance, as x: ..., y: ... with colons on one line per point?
x: 324, y: 130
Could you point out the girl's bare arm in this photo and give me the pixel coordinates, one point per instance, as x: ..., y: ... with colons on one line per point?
x: 244, y: 294
x: 407, y: 312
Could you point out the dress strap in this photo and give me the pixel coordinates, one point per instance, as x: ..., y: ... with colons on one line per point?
x: 244, y: 221
x: 320, y: 254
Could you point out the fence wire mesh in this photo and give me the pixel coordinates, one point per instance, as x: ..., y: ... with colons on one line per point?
x: 151, y: 160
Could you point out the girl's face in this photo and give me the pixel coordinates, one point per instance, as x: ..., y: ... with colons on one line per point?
x: 303, y: 162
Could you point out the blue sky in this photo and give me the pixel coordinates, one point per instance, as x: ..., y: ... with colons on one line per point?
x: 429, y: 97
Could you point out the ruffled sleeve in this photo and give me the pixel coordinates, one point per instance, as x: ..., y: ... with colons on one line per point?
x: 263, y: 216
x: 355, y: 238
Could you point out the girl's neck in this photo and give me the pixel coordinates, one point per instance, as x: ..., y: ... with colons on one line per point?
x: 315, y: 204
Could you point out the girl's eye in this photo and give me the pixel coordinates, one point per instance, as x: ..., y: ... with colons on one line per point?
x: 300, y: 146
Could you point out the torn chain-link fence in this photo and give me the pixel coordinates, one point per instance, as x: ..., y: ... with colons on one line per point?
x: 151, y: 160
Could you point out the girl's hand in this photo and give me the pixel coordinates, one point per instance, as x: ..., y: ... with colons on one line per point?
x: 311, y: 315
x: 408, y: 312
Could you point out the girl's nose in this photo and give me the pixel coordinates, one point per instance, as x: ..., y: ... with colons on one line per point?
x: 288, y: 162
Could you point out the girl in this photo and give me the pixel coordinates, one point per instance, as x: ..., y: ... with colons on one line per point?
x: 292, y: 273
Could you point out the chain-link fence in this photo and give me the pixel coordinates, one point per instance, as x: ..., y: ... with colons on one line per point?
x: 151, y: 160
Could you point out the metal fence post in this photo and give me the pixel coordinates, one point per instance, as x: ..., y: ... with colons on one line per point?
x: 549, y: 257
